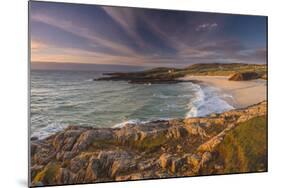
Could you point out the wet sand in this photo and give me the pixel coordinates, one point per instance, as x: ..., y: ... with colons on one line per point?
x: 244, y: 93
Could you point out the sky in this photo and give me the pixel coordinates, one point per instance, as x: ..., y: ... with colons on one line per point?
x: 63, y: 34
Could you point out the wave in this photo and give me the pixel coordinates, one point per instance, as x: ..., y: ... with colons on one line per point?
x: 48, y: 130
x: 207, y: 100
x: 132, y: 121
x: 171, y: 96
x: 138, y: 122
x: 89, y: 80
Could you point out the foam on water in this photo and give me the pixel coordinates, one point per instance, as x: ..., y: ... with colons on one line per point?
x: 207, y: 100
x: 138, y: 122
x: 132, y: 121
x: 48, y: 130
x: 59, y: 99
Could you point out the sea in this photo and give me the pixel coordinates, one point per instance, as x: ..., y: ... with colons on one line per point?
x: 62, y: 98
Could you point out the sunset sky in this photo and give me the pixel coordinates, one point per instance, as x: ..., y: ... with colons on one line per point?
x: 113, y: 36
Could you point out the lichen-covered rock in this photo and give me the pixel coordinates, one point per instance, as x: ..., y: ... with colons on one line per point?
x: 122, y: 166
x: 165, y: 160
x: 48, y: 175
x: 176, y: 164
x: 194, y: 160
x: 35, y: 169
x: 93, y: 170
x: 90, y: 137
x: 205, y: 158
x: 63, y: 176
x: 157, y: 149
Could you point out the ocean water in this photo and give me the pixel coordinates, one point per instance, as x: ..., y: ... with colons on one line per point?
x: 63, y: 98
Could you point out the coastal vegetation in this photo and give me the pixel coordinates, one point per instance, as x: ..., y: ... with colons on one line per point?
x: 171, y: 75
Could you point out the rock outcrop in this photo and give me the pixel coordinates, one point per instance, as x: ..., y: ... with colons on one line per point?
x: 244, y: 76
x: 158, y: 149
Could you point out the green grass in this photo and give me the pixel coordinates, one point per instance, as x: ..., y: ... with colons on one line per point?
x: 213, y: 69
x: 244, y: 149
x: 217, y: 69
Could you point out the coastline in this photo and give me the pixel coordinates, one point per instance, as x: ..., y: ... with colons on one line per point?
x: 231, y: 141
x: 244, y: 93
x: 160, y: 149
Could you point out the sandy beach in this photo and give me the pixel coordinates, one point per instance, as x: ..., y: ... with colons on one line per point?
x: 244, y: 93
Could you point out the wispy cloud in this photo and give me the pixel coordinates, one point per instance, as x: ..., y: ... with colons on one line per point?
x: 206, y: 27
x: 37, y: 46
x: 134, y: 22
x: 111, y: 35
x: 82, y: 31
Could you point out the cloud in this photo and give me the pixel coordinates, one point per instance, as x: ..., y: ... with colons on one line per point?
x: 222, y: 45
x: 37, y: 45
x: 206, y: 27
x: 84, y: 32
x: 261, y: 53
x: 131, y: 20
x: 125, y: 18
x: 44, y: 52
x: 110, y: 35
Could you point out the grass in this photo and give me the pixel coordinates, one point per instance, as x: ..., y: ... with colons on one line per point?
x: 244, y: 149
x: 214, y: 69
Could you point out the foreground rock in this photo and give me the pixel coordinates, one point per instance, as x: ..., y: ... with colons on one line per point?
x: 158, y: 149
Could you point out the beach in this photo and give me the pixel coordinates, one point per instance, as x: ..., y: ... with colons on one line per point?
x: 243, y: 93
x: 88, y: 130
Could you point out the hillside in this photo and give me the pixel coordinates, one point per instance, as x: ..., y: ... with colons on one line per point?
x: 171, y: 75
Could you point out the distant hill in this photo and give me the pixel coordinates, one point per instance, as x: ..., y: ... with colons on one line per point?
x: 170, y: 75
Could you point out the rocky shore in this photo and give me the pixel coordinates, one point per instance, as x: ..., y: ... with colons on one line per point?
x: 231, y: 142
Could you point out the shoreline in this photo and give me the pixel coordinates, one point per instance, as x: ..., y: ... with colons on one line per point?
x: 235, y: 93
x: 244, y: 93
x: 160, y: 149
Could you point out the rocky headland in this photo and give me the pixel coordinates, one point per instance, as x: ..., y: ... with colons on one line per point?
x: 230, y: 142
x: 164, y: 75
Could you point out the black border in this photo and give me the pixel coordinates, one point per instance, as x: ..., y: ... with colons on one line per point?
x: 29, y: 92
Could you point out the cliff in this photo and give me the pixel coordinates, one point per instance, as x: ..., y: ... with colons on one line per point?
x: 231, y: 142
